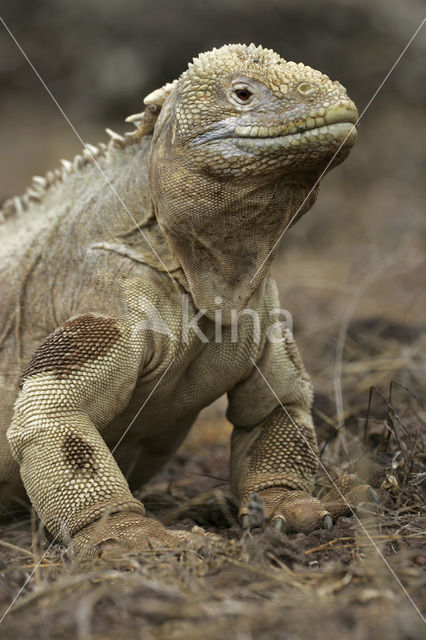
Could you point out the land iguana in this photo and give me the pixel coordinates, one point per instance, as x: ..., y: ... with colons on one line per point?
x: 122, y: 276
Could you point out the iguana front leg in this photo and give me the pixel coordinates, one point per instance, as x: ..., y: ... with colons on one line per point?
x: 277, y: 461
x: 79, y: 378
x: 278, y: 468
x: 273, y: 464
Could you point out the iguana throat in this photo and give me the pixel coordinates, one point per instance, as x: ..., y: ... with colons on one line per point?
x: 225, y: 235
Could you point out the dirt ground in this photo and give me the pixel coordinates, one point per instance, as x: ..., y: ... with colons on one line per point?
x: 351, y: 274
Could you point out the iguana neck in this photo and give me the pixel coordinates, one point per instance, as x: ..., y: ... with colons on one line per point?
x: 226, y: 232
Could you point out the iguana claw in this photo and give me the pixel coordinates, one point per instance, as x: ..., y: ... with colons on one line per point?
x: 278, y: 523
x: 327, y: 522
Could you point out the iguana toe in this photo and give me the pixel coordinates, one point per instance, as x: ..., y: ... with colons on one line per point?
x: 278, y: 523
x: 347, y: 493
x: 327, y: 522
x: 291, y: 510
x: 130, y: 532
x: 252, y: 514
x: 123, y: 532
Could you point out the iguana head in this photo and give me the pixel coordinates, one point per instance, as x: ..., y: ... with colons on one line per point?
x: 241, y: 140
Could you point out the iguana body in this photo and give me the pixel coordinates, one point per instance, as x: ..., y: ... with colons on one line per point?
x: 107, y: 263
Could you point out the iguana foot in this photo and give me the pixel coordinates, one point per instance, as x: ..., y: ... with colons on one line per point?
x: 132, y: 532
x: 290, y: 510
x: 124, y: 532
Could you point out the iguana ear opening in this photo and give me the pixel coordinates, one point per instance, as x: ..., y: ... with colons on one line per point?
x: 154, y: 101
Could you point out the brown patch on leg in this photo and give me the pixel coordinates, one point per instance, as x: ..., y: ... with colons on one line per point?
x: 79, y: 454
x: 79, y: 340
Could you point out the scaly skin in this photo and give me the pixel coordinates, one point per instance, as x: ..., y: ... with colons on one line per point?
x: 222, y: 161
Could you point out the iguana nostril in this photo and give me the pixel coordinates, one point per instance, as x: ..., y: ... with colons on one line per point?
x: 306, y: 88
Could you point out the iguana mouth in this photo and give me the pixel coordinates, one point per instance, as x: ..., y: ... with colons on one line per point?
x: 345, y: 114
x: 325, y: 127
x: 317, y: 137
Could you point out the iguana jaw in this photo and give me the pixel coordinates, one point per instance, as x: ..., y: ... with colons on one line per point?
x: 340, y: 113
x: 320, y: 120
x: 296, y: 142
x: 326, y: 136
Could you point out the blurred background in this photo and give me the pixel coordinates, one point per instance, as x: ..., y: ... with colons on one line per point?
x: 351, y: 272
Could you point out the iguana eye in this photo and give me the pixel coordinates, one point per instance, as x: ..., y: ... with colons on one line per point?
x: 241, y: 94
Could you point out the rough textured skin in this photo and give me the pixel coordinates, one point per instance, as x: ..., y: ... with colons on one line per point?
x: 96, y: 355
